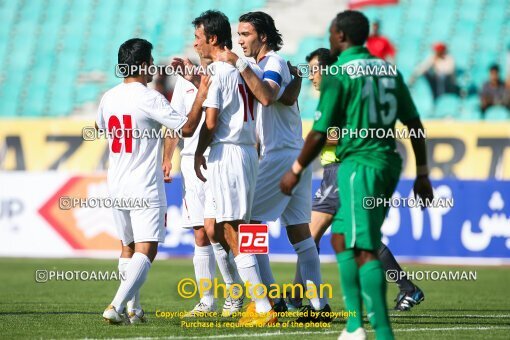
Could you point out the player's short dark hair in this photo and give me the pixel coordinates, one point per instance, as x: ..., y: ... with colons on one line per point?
x: 355, y: 26
x: 215, y: 23
x: 323, y: 56
x: 135, y: 52
x: 264, y: 24
x: 494, y: 67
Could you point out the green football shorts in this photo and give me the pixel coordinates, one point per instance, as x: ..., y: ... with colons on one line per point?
x: 358, y: 218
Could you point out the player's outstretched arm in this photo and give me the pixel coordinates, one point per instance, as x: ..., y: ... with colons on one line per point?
x: 265, y: 92
x: 196, y: 110
x: 422, y: 186
x: 313, y: 145
x: 291, y: 92
x: 204, y: 139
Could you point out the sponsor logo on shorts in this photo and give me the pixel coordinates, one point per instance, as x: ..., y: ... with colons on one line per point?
x: 253, y: 239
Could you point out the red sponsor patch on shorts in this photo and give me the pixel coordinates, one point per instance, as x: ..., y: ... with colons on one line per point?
x: 253, y: 239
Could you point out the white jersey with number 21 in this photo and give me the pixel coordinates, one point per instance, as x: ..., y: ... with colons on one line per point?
x: 135, y: 163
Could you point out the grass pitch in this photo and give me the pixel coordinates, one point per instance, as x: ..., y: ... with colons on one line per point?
x: 72, y: 309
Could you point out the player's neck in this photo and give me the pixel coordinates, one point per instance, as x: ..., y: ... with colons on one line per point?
x: 141, y: 80
x: 346, y: 46
x: 262, y: 53
x: 214, y: 53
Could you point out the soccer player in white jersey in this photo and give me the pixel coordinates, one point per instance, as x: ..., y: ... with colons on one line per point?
x: 229, y: 129
x: 280, y: 135
x: 135, y: 171
x: 197, y: 205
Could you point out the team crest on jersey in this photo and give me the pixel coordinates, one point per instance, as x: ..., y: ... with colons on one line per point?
x: 317, y: 115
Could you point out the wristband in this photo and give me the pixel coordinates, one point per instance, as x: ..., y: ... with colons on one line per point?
x: 241, y: 64
x: 296, y: 168
x: 422, y: 170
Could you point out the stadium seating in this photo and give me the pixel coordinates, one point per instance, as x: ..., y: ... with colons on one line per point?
x: 57, y: 55
x: 50, y: 49
x: 473, y: 30
x: 497, y: 113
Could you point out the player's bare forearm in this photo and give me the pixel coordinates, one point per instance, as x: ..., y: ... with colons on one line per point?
x: 196, y: 109
x: 169, y: 146
x: 207, y: 131
x: 422, y: 186
x: 204, y: 139
x: 416, y: 130
x: 291, y: 92
x: 264, y: 92
x: 193, y: 117
x: 314, y: 143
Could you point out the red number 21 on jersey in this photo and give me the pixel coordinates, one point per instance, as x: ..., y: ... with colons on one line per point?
x: 121, y: 132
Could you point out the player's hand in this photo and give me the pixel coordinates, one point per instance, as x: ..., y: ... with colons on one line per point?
x: 228, y: 56
x: 200, y: 162
x: 184, y: 67
x: 289, y: 182
x: 294, y: 71
x: 423, y: 189
x: 167, y: 167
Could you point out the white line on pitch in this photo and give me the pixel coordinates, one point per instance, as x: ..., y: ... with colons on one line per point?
x: 481, y: 316
x: 279, y: 333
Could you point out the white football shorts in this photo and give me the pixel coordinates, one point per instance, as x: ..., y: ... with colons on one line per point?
x: 140, y: 225
x: 197, y: 202
x: 270, y: 203
x: 232, y: 173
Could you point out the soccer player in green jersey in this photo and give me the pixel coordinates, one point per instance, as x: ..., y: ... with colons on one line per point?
x: 325, y: 205
x: 370, y: 166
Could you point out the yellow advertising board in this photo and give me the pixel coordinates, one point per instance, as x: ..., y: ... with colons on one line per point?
x: 477, y: 150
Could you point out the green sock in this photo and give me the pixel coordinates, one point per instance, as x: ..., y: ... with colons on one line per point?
x: 349, y: 281
x: 373, y: 288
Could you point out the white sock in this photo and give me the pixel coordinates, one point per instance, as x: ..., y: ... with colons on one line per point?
x: 265, y: 270
x: 247, y: 268
x: 233, y: 265
x: 133, y: 305
x: 227, y: 269
x: 309, y: 264
x: 205, y: 270
x: 136, y: 273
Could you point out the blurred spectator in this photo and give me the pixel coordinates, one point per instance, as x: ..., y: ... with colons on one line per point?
x: 161, y: 84
x: 379, y: 45
x: 439, y: 70
x: 494, y: 91
x: 506, y: 100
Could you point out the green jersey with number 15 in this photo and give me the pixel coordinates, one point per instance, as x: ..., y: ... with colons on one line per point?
x: 363, y: 97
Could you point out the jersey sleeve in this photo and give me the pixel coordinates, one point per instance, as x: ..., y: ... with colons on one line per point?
x: 406, y: 110
x: 214, y: 94
x: 273, y: 70
x: 328, y: 110
x: 177, y: 101
x: 160, y: 110
x: 100, y: 117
